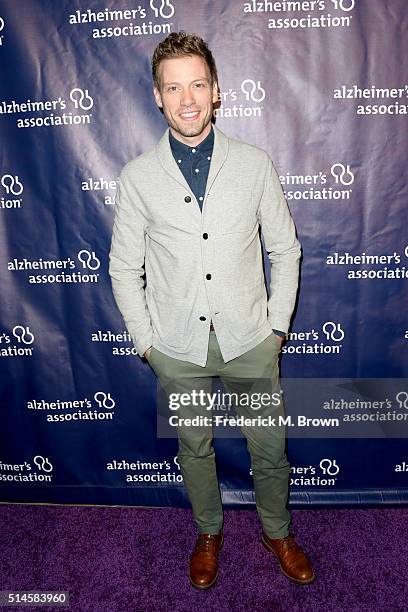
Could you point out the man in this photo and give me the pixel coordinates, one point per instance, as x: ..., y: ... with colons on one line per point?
x: 187, y: 275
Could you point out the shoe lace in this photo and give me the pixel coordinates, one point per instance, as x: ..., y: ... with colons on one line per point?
x: 205, y: 544
x: 290, y: 542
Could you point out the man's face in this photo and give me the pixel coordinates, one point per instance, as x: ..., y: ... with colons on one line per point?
x: 186, y: 97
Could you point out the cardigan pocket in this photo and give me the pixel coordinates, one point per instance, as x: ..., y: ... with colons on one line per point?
x: 168, y: 318
x: 246, y: 312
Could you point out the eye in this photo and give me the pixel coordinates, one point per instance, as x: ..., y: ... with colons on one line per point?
x: 172, y: 88
x: 199, y: 85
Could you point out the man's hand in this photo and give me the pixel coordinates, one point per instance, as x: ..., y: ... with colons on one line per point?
x: 146, y: 354
x: 279, y: 334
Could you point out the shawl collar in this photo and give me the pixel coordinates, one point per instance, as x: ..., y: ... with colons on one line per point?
x: 169, y: 164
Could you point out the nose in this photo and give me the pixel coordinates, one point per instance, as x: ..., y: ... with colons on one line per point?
x: 187, y: 98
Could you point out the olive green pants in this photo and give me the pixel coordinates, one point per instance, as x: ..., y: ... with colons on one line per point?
x: 254, y: 372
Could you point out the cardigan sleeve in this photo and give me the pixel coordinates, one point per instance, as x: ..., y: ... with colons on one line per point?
x: 126, y: 262
x: 282, y: 247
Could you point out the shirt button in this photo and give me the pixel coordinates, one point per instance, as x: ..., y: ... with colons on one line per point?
x: 193, y: 150
x: 208, y: 276
x: 202, y: 319
x: 208, y: 158
x: 197, y: 170
x: 187, y: 199
x: 205, y: 235
x: 201, y: 198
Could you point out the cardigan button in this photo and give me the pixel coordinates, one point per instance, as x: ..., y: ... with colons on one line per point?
x: 202, y: 318
x: 208, y: 276
x: 187, y: 199
x: 205, y: 235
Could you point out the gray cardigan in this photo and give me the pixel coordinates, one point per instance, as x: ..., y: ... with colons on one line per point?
x: 202, y: 266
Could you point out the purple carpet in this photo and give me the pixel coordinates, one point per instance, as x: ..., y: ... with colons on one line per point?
x: 136, y: 559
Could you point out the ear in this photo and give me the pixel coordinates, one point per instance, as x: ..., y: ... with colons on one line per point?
x: 157, y: 97
x: 215, y: 97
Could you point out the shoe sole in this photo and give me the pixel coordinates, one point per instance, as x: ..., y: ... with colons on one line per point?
x: 208, y: 586
x: 270, y: 549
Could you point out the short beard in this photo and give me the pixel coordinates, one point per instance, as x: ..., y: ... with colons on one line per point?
x: 193, y: 131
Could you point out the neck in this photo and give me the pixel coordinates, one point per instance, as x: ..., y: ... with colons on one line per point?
x: 192, y: 141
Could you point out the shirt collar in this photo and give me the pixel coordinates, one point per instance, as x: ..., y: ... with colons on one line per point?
x: 181, y: 150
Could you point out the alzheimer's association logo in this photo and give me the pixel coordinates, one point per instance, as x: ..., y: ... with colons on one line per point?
x: 81, y: 98
x: 12, y: 187
x: 244, y: 101
x: 12, y: 184
x: 89, y: 260
x: 253, y: 90
x: 43, y: 463
x: 344, y: 5
x: 342, y: 174
x: 333, y: 331
x: 23, y: 334
x: 164, y: 8
x: 329, y: 466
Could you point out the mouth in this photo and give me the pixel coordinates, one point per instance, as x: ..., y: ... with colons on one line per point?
x: 190, y: 115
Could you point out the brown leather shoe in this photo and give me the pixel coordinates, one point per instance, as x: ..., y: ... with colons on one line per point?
x: 293, y: 561
x: 204, y: 560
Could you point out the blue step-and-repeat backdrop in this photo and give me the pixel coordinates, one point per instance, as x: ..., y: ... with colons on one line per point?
x: 322, y: 86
